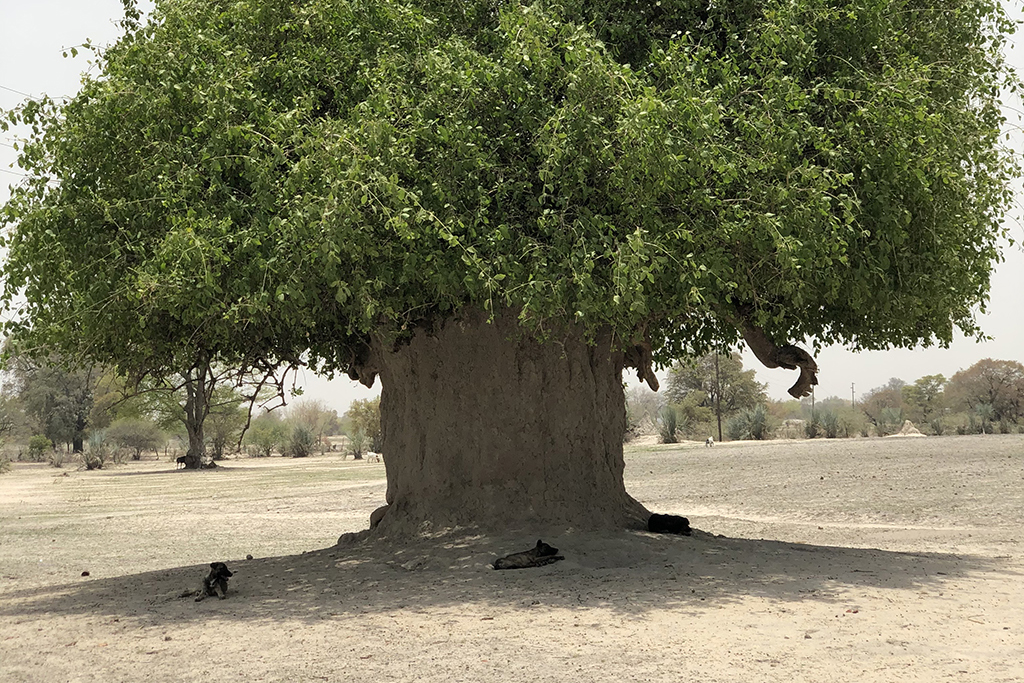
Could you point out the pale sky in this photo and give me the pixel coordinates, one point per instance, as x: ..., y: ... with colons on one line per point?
x: 34, y: 33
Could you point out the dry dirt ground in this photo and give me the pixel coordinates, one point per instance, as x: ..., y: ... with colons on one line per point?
x: 867, y: 560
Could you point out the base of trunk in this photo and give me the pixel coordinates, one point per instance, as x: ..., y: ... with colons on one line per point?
x: 485, y: 427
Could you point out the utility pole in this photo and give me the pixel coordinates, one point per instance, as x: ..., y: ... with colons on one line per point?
x: 718, y: 399
x: 853, y: 397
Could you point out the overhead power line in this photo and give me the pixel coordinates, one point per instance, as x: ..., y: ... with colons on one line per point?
x: 18, y: 92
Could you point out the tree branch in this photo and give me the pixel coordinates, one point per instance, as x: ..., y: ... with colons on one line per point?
x: 772, y: 355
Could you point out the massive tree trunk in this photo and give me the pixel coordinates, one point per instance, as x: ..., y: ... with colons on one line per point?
x: 485, y: 427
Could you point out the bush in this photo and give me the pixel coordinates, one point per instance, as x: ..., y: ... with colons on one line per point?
x: 812, y: 428
x: 266, y: 435
x: 97, y: 453
x: 830, y: 424
x: 791, y: 429
x: 753, y: 423
x: 890, y: 421
x: 38, y: 445
x: 302, y: 441
x: 135, y: 436
x: 667, y: 425
x: 5, y: 464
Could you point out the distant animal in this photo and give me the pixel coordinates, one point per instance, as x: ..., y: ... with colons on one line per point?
x: 181, y: 462
x: 373, y: 457
x: 709, y: 442
x: 668, y: 524
x: 216, y: 582
x: 537, y: 556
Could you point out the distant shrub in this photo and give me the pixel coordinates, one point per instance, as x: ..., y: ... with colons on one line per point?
x: 667, y: 425
x: 890, y: 421
x: 135, y: 436
x: 791, y: 429
x: 38, y: 446
x: 812, y: 428
x: 5, y: 464
x: 697, y: 431
x: 264, y: 437
x: 302, y: 441
x: 97, y: 453
x: 830, y: 426
x: 753, y: 423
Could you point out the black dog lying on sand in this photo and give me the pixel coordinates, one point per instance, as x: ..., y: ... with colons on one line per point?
x: 538, y: 556
x: 668, y: 524
x: 216, y: 582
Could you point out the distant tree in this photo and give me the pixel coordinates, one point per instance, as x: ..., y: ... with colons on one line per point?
x: 58, y: 398
x: 642, y: 406
x: 319, y: 418
x: 136, y: 435
x: 735, y: 387
x: 7, y: 423
x: 357, y: 444
x: 363, y: 417
x: 786, y: 410
x: 998, y: 384
x: 924, y: 398
x: 192, y: 402
x: 266, y: 434
x: 884, y: 406
x: 224, y: 426
x: 986, y: 413
x: 8, y: 416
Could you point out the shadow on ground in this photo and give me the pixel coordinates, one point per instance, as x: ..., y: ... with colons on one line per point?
x: 629, y: 572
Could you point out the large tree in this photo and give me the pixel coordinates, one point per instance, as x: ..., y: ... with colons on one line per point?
x: 496, y: 207
x: 995, y: 383
x: 884, y: 406
x: 721, y: 381
x: 59, y: 399
x: 924, y: 398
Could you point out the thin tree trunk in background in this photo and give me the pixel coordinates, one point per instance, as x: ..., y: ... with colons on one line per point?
x: 718, y: 398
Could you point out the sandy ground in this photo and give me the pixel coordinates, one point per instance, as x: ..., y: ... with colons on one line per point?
x: 867, y: 560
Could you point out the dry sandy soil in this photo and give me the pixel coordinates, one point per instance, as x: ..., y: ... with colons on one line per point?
x: 867, y: 560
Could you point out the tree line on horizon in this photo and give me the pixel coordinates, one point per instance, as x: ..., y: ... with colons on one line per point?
x: 986, y: 398
x: 49, y: 412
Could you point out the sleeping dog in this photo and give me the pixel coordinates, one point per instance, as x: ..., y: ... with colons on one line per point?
x: 216, y: 582
x: 668, y: 524
x: 537, y: 556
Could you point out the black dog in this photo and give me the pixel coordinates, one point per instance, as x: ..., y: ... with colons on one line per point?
x: 537, y: 556
x: 668, y: 524
x: 216, y: 582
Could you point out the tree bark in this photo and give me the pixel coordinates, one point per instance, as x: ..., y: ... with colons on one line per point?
x: 197, y: 406
x: 485, y: 427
